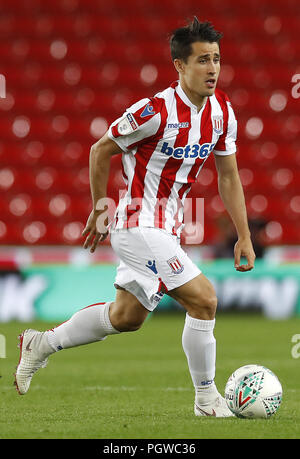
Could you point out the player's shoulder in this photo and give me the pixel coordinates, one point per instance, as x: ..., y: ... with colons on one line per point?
x: 149, y: 106
x: 223, y: 101
x: 221, y: 95
x: 160, y: 99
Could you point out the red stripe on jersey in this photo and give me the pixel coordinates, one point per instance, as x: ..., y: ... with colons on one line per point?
x: 172, y: 165
x: 143, y: 156
x: 185, y: 189
x: 206, y: 137
x: 114, y: 130
x: 222, y: 99
x: 124, y: 175
x: 206, y: 131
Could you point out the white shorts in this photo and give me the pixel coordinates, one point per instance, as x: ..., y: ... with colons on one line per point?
x: 152, y: 263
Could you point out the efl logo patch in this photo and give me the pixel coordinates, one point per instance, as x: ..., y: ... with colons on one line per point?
x: 175, y: 265
x: 127, y: 125
x: 218, y: 124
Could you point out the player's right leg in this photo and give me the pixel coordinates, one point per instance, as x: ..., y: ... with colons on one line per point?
x: 90, y: 324
x: 199, y: 299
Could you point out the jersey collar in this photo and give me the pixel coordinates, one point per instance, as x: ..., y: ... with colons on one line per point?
x: 186, y: 100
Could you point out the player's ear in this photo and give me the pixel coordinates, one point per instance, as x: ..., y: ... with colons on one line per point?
x: 179, y: 65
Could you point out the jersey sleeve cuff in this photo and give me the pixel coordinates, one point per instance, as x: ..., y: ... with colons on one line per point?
x: 117, y: 140
x: 224, y: 152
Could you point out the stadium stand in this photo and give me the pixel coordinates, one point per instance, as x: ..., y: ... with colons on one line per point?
x: 73, y: 66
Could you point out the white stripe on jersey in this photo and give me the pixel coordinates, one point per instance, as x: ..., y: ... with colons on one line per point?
x: 230, y: 146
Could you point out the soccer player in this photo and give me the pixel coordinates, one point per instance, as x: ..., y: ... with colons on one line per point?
x: 164, y: 142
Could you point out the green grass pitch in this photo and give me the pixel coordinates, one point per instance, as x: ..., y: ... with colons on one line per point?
x: 137, y: 386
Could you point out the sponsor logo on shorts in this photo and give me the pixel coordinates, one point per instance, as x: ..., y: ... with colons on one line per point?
x: 176, y: 266
x: 151, y: 265
x: 157, y: 296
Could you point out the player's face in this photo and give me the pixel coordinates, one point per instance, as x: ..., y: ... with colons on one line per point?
x: 200, y: 73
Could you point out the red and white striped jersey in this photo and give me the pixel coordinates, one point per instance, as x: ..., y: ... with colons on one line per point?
x: 165, y: 143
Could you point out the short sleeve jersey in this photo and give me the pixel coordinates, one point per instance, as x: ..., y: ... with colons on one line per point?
x: 165, y: 143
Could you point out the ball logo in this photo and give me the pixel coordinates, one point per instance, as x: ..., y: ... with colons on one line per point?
x: 241, y: 400
x: 189, y: 151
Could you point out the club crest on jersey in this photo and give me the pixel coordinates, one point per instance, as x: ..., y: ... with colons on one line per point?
x: 175, y: 265
x: 148, y: 111
x: 217, y: 124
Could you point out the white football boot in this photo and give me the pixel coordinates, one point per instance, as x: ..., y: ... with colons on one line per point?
x: 34, y: 352
x: 215, y: 406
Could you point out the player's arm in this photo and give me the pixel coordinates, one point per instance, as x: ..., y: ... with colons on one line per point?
x: 232, y: 195
x: 100, y: 156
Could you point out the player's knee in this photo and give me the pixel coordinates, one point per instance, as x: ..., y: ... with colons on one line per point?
x: 124, y: 319
x: 210, y: 306
x: 125, y: 323
x: 131, y: 325
x: 203, y: 307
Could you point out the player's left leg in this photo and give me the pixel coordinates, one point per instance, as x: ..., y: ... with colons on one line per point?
x: 96, y: 322
x: 199, y: 299
x: 90, y: 324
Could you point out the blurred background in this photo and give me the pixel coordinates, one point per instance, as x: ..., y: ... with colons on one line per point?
x: 71, y: 67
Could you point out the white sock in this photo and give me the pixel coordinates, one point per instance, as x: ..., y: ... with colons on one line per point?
x: 199, y: 345
x: 88, y: 325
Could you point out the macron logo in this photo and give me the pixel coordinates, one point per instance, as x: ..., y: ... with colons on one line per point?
x: 148, y: 111
x: 178, y: 125
x: 189, y: 151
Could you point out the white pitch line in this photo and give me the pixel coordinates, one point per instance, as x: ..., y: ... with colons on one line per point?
x: 133, y: 388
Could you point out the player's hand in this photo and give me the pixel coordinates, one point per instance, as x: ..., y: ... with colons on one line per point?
x: 244, y: 248
x: 95, y: 230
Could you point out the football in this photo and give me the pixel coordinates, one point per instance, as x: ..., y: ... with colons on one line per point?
x: 253, y: 391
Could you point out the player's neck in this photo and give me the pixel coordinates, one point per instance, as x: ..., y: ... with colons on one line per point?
x: 194, y: 97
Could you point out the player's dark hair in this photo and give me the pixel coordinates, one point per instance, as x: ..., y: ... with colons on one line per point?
x: 182, y: 38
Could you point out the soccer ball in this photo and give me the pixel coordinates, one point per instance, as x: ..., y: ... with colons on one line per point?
x: 253, y: 391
